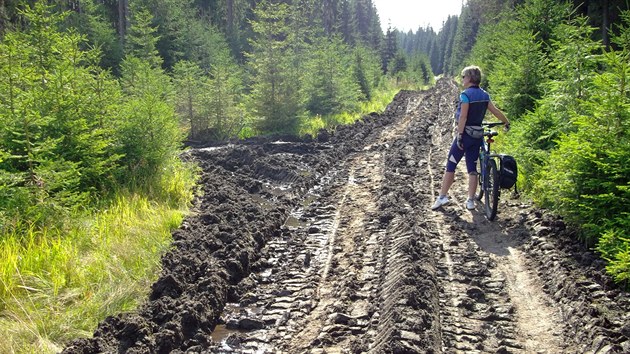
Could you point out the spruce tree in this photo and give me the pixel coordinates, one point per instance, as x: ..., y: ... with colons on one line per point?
x: 390, y: 49
x: 147, y: 126
x: 275, y: 104
x: 56, y: 123
x: 444, y: 46
x: 464, y: 38
x: 346, y: 27
x: 330, y: 85
x: 189, y: 81
x: 93, y: 20
x: 142, y: 37
x: 367, y: 71
x: 223, y: 98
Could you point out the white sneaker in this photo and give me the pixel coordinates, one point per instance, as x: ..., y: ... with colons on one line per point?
x: 470, y: 204
x: 440, y: 201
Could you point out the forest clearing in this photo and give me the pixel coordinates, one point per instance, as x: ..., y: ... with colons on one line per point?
x: 329, y: 246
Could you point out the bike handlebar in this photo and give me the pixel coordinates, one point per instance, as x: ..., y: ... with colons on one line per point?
x: 493, y: 124
x: 488, y: 132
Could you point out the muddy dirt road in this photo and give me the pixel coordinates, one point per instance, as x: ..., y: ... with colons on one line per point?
x: 330, y: 246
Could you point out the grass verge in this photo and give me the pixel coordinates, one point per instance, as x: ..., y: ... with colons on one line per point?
x: 379, y: 102
x: 58, y: 284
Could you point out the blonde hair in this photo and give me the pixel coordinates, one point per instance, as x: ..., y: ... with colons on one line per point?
x: 473, y: 73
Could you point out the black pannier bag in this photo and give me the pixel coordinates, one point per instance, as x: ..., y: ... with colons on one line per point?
x: 508, y: 172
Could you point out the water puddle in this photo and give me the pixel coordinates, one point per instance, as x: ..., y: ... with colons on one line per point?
x: 229, y: 343
x: 264, y: 203
x: 237, y: 321
x: 293, y: 222
x: 308, y: 199
x: 279, y: 190
x: 221, y: 334
x: 216, y: 148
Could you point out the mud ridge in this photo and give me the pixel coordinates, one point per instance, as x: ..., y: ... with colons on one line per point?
x: 573, y: 275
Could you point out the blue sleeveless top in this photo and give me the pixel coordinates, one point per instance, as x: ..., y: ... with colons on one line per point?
x: 478, y: 100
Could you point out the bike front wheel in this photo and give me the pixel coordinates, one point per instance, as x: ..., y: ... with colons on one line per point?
x: 492, y: 193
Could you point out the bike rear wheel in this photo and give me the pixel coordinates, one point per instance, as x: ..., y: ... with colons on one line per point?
x: 479, y: 194
x: 492, y: 194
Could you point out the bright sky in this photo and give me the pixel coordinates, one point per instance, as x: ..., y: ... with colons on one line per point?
x: 411, y: 14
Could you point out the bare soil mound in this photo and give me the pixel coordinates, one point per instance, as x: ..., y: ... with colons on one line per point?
x: 328, y: 245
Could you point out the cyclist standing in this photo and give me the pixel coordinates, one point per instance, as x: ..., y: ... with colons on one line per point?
x: 473, y: 103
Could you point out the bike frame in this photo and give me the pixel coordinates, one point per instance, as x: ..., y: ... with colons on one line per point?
x: 489, y: 170
x: 484, y: 156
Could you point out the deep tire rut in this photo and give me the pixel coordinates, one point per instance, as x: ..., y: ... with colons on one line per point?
x: 329, y: 246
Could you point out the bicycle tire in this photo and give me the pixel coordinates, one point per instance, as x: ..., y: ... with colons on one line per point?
x: 479, y: 194
x: 492, y: 196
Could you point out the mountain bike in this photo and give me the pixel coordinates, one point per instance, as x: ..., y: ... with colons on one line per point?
x: 489, y: 176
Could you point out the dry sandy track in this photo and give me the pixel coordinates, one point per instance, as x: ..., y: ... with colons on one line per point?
x: 329, y: 246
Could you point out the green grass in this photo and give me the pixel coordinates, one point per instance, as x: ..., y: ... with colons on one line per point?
x: 57, y: 284
x: 379, y: 102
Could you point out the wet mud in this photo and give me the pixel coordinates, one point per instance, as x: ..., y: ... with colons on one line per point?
x: 328, y: 245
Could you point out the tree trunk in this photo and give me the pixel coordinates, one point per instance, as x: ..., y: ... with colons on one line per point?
x: 605, y: 24
x: 230, y: 16
x: 74, y: 5
x: 123, y: 9
x: 3, y: 16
